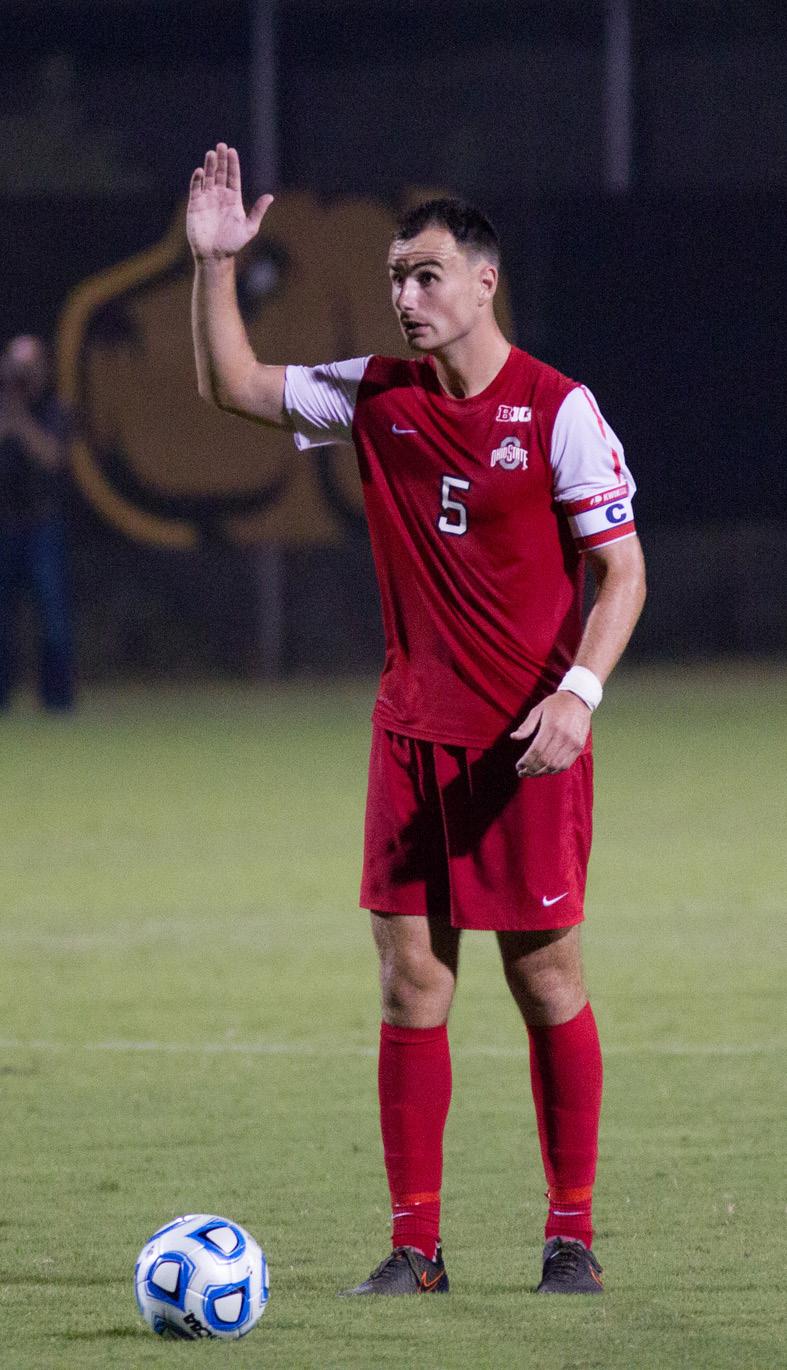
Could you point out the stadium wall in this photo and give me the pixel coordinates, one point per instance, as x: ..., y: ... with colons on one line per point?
x: 664, y: 300
x: 665, y: 307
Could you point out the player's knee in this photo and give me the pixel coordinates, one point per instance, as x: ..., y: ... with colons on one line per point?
x: 548, y: 990
x: 413, y: 981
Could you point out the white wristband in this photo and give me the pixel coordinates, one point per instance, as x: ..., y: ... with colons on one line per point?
x: 583, y: 683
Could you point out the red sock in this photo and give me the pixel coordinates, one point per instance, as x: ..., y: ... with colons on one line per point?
x: 566, y: 1076
x: 414, y: 1080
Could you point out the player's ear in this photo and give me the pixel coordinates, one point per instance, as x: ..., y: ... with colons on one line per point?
x: 487, y: 282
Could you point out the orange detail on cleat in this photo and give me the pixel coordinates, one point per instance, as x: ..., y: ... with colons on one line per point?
x: 426, y: 1284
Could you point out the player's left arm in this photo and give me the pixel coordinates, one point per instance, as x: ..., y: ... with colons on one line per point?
x: 559, y: 724
x: 594, y: 488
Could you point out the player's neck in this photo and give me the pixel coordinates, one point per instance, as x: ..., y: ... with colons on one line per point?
x: 469, y: 365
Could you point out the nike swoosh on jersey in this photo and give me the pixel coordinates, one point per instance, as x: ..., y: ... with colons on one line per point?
x: 396, y: 429
x: 546, y: 902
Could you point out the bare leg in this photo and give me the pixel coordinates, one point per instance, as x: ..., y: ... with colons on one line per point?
x: 544, y: 973
x: 419, y: 961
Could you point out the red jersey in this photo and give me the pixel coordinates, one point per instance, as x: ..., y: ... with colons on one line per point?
x: 478, y: 510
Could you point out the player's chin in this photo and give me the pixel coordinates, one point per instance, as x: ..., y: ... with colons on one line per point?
x: 417, y: 339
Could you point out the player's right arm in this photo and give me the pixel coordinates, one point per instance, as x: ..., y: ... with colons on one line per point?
x: 228, y: 372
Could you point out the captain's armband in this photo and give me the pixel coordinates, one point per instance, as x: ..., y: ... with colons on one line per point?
x: 598, y: 519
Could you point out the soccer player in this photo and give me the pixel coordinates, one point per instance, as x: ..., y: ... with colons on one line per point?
x: 489, y: 480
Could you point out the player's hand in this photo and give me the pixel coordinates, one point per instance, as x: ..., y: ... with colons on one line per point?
x: 216, y: 222
x: 558, y: 726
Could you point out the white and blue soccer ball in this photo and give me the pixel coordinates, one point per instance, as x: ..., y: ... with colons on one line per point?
x: 201, y: 1276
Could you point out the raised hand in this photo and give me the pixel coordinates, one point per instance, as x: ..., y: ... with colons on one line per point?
x: 216, y: 222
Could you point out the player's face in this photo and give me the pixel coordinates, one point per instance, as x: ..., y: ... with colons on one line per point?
x: 438, y: 290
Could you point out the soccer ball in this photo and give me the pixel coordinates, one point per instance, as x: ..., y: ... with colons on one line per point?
x: 201, y: 1276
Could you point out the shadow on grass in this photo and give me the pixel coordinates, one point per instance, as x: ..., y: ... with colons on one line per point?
x: 104, y: 1333
x: 77, y: 1281
x: 522, y: 1289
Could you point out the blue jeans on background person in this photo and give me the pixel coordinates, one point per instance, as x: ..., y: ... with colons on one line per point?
x: 34, y: 560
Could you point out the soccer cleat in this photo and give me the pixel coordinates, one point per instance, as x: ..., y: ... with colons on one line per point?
x: 569, y: 1268
x: 405, y: 1271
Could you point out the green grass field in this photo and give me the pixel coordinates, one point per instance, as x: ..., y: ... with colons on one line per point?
x: 190, y: 1011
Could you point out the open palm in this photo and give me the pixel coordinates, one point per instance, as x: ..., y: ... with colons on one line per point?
x: 216, y: 222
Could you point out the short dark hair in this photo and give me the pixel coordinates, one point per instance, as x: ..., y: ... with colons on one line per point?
x: 471, y: 229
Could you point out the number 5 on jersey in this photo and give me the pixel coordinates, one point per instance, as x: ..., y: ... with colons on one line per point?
x: 454, y: 520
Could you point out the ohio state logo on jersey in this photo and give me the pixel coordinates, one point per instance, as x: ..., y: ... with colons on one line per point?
x: 509, y: 455
x: 513, y: 413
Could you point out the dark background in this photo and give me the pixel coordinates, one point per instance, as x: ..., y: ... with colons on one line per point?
x: 664, y: 297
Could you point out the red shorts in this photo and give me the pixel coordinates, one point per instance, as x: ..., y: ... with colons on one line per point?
x: 454, y: 831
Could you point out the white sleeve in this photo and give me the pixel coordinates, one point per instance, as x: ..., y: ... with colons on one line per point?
x: 320, y: 400
x: 591, y: 479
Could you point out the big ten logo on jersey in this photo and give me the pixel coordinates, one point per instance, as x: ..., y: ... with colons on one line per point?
x: 509, y: 455
x: 513, y: 413
x: 165, y: 467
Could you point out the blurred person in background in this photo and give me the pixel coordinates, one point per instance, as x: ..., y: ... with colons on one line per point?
x: 33, y: 552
